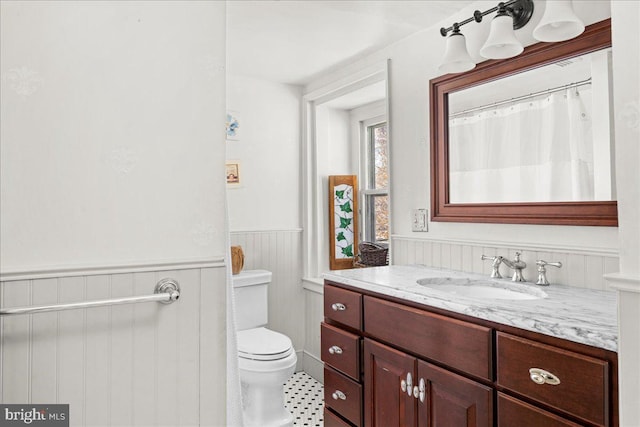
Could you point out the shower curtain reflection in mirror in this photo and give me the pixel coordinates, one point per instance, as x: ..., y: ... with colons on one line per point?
x: 538, y: 149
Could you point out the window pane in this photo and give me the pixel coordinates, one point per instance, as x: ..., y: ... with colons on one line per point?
x: 381, y: 217
x: 380, y: 160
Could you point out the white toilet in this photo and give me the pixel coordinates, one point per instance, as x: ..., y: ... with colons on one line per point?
x: 266, y: 358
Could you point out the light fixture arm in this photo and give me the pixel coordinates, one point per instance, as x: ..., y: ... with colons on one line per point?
x: 520, y: 10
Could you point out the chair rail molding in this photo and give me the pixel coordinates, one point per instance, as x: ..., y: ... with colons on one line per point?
x: 46, y: 272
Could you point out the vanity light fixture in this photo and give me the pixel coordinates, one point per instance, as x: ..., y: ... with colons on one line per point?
x: 456, y: 57
x: 502, y: 42
x: 559, y: 23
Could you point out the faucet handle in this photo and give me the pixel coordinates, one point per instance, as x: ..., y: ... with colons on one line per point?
x: 542, y: 271
x: 542, y: 263
x: 497, y: 260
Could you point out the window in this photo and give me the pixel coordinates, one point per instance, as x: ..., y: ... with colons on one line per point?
x: 375, y: 191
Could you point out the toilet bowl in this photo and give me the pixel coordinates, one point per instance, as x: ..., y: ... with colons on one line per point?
x: 266, y: 360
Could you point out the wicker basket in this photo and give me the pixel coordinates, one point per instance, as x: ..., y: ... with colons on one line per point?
x: 372, y: 254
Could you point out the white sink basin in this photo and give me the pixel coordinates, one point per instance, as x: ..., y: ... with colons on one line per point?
x: 483, y: 289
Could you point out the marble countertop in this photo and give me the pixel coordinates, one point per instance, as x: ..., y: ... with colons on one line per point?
x: 576, y: 314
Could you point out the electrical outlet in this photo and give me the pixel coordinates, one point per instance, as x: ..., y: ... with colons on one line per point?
x: 419, y: 220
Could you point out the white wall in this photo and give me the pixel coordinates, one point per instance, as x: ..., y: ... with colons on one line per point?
x: 333, y: 158
x: 269, y: 152
x: 625, y: 18
x: 111, y: 132
x: 111, y: 176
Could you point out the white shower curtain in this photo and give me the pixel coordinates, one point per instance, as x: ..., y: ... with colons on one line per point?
x: 540, y: 149
x: 234, y: 394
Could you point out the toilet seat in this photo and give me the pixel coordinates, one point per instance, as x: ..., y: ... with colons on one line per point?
x: 263, y: 344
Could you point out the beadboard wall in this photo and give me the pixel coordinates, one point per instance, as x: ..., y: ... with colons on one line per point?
x: 314, y: 315
x: 279, y: 251
x: 146, y: 364
x: 581, y: 267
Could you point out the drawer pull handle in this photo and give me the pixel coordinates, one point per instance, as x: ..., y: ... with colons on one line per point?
x: 338, y: 306
x: 540, y: 376
x: 335, y: 350
x: 338, y: 395
x: 421, y: 390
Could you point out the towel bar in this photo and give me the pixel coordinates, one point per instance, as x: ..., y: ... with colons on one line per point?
x: 166, y: 292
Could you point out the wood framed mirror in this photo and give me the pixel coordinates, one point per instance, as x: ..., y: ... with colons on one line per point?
x: 595, y: 209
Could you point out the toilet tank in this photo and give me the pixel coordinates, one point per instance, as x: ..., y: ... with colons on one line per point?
x: 250, y: 294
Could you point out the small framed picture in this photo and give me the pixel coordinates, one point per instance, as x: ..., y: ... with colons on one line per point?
x: 233, y: 126
x: 232, y: 172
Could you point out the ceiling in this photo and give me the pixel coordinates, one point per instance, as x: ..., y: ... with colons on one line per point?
x: 294, y: 41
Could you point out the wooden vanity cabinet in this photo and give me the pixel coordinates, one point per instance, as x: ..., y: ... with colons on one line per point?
x: 405, y: 365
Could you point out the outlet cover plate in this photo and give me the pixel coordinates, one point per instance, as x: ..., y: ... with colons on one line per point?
x: 419, y: 220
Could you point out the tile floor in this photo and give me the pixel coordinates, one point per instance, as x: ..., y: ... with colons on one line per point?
x: 303, y: 397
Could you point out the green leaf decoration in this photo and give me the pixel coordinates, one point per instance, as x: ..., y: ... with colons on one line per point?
x: 340, y: 194
x: 345, y: 222
x: 340, y: 236
x: 346, y: 207
x: 348, y: 251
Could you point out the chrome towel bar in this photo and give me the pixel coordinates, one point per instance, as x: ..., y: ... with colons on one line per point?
x: 166, y: 292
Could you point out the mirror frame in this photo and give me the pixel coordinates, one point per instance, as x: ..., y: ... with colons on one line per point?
x: 598, y: 213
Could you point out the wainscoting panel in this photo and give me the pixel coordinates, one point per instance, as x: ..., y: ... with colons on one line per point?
x: 580, y: 267
x: 147, y: 364
x: 281, y: 253
x: 314, y: 312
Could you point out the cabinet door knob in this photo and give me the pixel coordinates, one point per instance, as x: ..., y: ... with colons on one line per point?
x: 334, y: 349
x: 422, y: 389
x: 338, y: 306
x: 403, y: 385
x: 338, y: 395
x: 409, y: 384
x: 540, y: 376
x: 415, y: 391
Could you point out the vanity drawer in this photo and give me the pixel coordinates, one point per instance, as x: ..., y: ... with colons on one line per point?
x: 332, y: 420
x: 512, y: 412
x: 343, y: 395
x: 583, y: 390
x: 341, y: 350
x: 460, y: 345
x: 343, y: 306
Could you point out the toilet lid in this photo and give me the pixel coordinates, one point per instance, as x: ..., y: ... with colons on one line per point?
x: 263, y: 344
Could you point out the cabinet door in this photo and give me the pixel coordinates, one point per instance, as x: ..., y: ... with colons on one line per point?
x: 449, y: 400
x: 385, y: 403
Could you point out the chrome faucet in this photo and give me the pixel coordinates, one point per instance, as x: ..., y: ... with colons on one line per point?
x: 517, y: 265
x: 542, y: 271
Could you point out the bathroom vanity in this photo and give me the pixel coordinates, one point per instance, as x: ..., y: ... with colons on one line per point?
x: 413, y: 346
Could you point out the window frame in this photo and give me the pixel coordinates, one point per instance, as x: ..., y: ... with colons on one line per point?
x: 368, y: 193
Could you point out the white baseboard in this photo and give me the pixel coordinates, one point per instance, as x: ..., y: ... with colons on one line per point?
x: 313, y: 366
